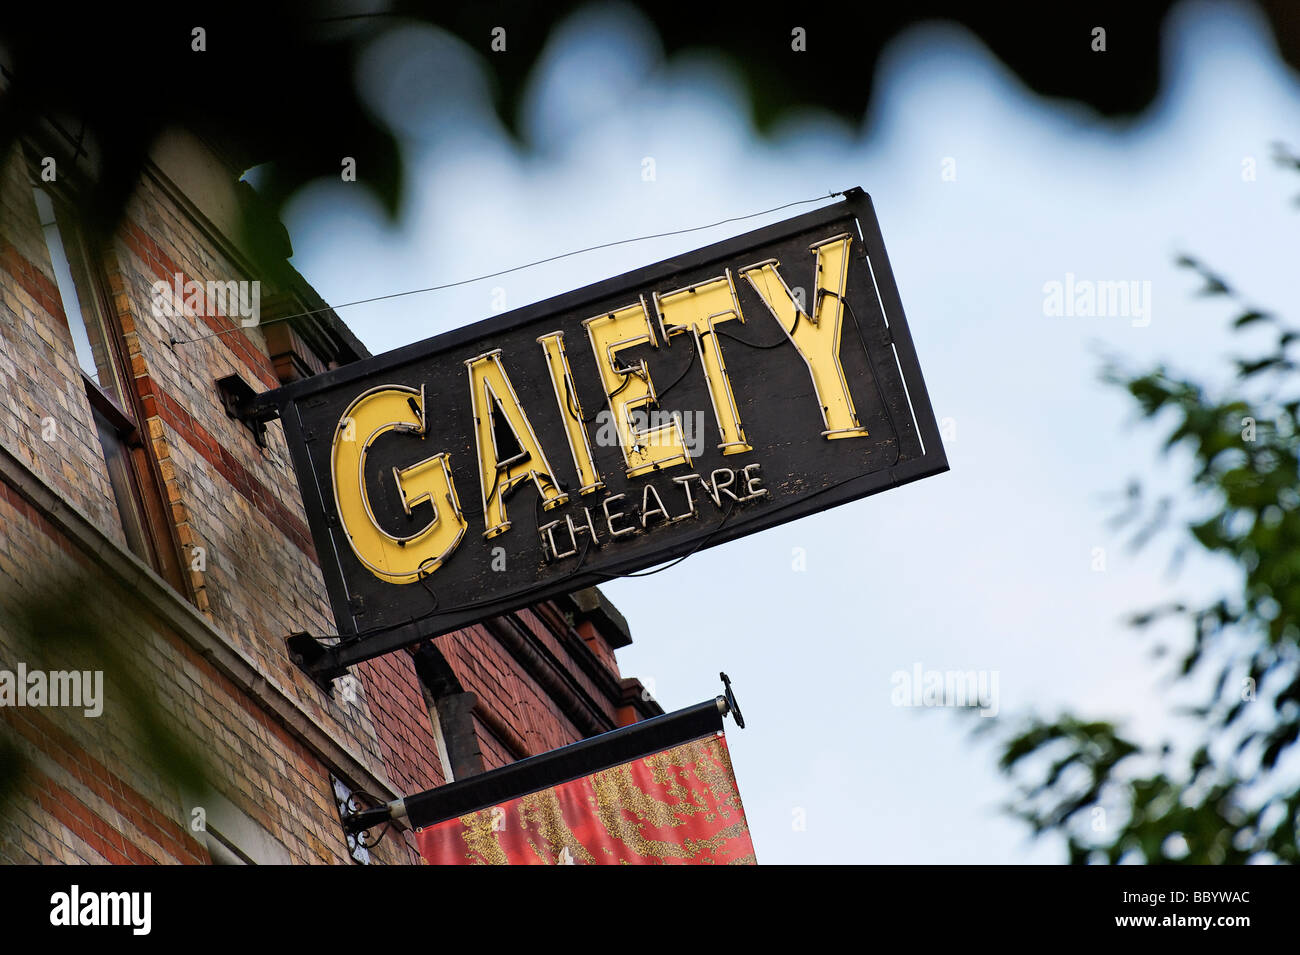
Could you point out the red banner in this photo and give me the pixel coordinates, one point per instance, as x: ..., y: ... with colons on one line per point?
x: 676, y: 807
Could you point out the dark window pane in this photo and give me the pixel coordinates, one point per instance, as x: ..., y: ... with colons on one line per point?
x: 118, y: 460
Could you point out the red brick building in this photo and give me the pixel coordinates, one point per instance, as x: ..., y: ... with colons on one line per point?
x: 120, y: 469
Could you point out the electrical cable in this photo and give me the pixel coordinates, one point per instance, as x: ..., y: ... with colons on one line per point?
x: 788, y: 340
x: 516, y: 268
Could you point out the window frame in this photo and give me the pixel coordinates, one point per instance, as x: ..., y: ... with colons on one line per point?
x: 152, y: 534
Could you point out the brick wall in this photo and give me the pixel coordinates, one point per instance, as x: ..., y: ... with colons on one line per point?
x: 212, y: 658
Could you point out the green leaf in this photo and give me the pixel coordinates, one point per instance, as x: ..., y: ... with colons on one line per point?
x: 1251, y: 318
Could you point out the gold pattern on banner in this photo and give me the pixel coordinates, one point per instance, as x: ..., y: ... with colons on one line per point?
x: 664, y: 769
x: 717, y: 840
x: 542, y: 812
x: 713, y: 768
x: 481, y: 840
x: 615, y: 791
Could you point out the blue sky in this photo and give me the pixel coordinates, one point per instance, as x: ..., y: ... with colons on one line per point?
x: 987, y: 568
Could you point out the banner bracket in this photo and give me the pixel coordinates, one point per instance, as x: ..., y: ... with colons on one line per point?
x: 729, y: 702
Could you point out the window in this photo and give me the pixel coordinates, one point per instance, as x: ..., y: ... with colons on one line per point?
x: 101, y: 356
x: 117, y: 457
x: 85, y: 320
x: 229, y: 835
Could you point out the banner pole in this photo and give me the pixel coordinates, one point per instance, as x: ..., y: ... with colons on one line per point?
x: 551, y: 768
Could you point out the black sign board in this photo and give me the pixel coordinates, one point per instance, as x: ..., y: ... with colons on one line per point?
x: 608, y: 430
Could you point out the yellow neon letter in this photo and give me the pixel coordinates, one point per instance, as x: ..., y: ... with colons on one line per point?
x: 629, y: 389
x: 492, y: 394
x: 816, y: 337
x: 697, y: 309
x: 398, y: 560
x: 557, y: 363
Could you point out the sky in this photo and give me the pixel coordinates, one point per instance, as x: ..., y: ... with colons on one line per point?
x: 986, y: 194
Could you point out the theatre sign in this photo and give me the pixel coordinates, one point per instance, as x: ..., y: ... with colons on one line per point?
x: 599, y: 433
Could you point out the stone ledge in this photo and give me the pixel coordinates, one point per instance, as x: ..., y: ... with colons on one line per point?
x: 187, y: 623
